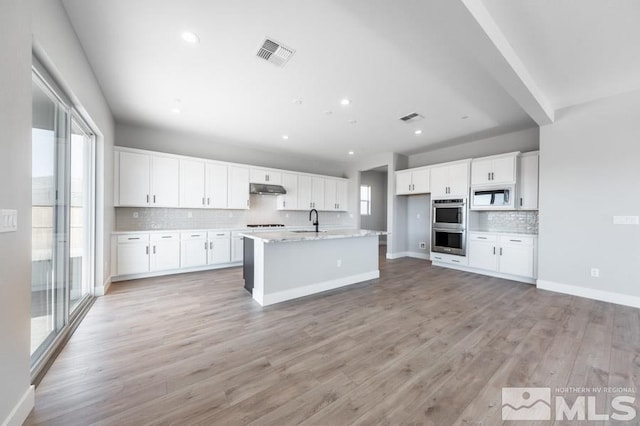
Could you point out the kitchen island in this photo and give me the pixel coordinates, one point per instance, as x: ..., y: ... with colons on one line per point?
x: 286, y: 265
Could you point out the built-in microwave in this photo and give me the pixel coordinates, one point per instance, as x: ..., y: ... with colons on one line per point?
x: 449, y: 213
x: 499, y: 198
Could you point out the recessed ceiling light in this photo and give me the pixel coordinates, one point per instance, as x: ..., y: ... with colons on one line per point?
x: 175, y: 111
x: 418, y: 132
x: 345, y: 102
x: 285, y: 137
x: 351, y: 153
x: 297, y: 101
x: 328, y: 112
x: 190, y: 37
x: 464, y: 117
x: 353, y: 121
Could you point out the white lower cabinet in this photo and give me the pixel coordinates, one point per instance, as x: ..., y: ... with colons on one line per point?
x: 132, y: 254
x: 504, y: 253
x: 165, y: 252
x: 193, y: 249
x: 237, y: 248
x: 219, y: 248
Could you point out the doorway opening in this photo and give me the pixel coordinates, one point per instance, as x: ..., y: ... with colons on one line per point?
x: 373, y: 193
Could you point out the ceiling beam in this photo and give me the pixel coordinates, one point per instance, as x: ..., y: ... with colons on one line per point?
x: 497, y: 55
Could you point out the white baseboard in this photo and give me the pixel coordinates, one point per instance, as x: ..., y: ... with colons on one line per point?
x: 21, y: 411
x: 294, y: 293
x: 102, y: 290
x: 175, y: 271
x: 590, y: 293
x: 413, y: 254
x: 465, y: 268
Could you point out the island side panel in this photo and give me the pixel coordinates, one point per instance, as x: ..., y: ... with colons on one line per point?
x: 247, y: 263
x: 296, y: 269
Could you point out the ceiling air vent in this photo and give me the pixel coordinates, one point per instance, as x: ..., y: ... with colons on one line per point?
x: 274, y: 52
x: 410, y: 118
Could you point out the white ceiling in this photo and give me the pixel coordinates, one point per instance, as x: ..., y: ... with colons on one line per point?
x: 390, y: 58
x: 575, y: 50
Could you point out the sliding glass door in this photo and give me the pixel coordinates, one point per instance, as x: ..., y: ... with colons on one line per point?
x: 62, y: 216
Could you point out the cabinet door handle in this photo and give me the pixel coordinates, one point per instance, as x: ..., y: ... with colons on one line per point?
x: 494, y: 251
x: 284, y: 203
x: 455, y: 261
x: 206, y: 245
x: 208, y: 201
x: 493, y: 176
x: 500, y: 251
x: 520, y: 201
x: 488, y: 175
x: 147, y: 198
x: 166, y: 236
x: 482, y: 238
x: 154, y: 199
x: 154, y: 249
x: 211, y: 245
x: 247, y: 203
x: 516, y: 241
x: 195, y: 235
x: 133, y: 238
x: 409, y: 187
x: 203, y: 201
x: 147, y: 249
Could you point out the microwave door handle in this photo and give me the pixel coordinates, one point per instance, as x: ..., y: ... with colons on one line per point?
x: 506, y: 196
x: 493, y: 199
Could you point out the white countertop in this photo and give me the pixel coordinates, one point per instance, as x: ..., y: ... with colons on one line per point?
x: 515, y: 234
x: 236, y: 229
x: 290, y: 236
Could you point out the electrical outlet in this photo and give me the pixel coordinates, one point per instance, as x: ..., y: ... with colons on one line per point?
x: 339, y: 263
x: 626, y: 220
x: 595, y: 272
x: 8, y: 220
x: 136, y: 215
x: 422, y: 245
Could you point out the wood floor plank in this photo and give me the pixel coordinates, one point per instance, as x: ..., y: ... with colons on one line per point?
x: 419, y: 345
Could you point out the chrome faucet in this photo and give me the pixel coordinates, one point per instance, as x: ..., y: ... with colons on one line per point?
x: 316, y: 222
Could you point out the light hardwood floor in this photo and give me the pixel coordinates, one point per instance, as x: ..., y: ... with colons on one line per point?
x: 420, y: 345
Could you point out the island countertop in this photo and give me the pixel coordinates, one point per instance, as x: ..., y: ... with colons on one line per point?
x: 293, y: 236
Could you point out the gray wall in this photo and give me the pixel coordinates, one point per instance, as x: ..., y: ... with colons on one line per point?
x: 15, y: 193
x: 418, y: 223
x: 378, y: 218
x: 58, y: 48
x: 396, y: 206
x: 589, y: 171
x: 195, y: 145
x: 523, y: 141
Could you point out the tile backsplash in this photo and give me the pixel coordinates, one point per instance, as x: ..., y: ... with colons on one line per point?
x: 263, y: 210
x: 520, y: 222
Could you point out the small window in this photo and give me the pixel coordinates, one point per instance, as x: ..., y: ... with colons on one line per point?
x: 365, y: 200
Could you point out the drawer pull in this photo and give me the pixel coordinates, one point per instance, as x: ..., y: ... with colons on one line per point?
x: 133, y: 238
x: 482, y: 238
x: 166, y: 236
x: 195, y: 235
x: 516, y: 241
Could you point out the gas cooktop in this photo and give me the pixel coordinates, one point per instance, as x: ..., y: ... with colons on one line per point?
x: 266, y: 225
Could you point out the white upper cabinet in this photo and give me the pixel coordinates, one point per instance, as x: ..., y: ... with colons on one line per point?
x: 451, y: 180
x: 413, y: 182
x: 267, y: 176
x: 528, y: 181
x: 335, y: 195
x: 192, y: 183
x: 311, y: 192
x: 133, y: 184
x: 216, y: 185
x: 238, y: 187
x: 289, y: 201
x: 165, y: 191
x: 146, y: 180
x: 495, y: 170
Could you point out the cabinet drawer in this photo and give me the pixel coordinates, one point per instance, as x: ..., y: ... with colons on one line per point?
x: 165, y: 237
x: 482, y: 237
x: 193, y: 235
x: 220, y: 234
x: 133, y: 238
x: 447, y: 258
x: 523, y: 241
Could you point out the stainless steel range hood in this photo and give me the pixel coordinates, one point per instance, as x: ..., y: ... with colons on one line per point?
x: 264, y: 189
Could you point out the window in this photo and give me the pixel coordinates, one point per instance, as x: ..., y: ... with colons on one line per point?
x: 365, y: 200
x: 63, y: 182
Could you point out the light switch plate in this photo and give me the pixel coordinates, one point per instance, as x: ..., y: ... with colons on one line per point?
x: 626, y: 220
x: 8, y: 220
